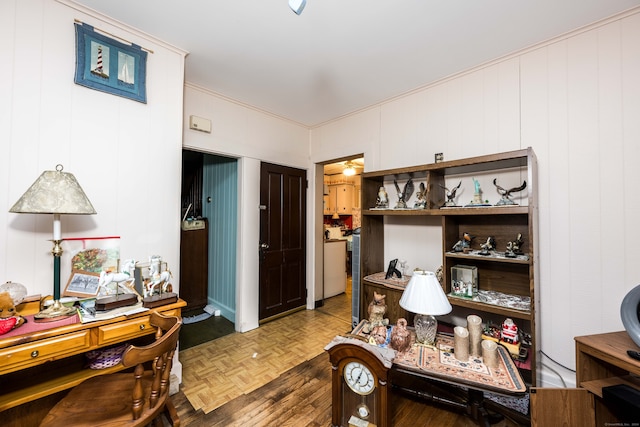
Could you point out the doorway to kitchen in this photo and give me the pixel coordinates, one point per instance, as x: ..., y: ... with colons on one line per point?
x: 340, y: 220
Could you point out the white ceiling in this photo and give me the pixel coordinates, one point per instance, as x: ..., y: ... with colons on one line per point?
x: 340, y: 56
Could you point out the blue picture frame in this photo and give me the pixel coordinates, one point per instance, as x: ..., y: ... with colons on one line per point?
x: 107, y: 65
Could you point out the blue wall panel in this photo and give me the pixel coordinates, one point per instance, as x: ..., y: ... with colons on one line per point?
x: 220, y: 206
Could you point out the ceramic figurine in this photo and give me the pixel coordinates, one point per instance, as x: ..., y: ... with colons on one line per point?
x: 514, y: 247
x: 379, y: 334
x: 377, y: 309
x: 383, y: 199
x: 509, y: 332
x: 464, y: 243
x: 421, y: 196
x: 404, y: 195
x: 400, y: 336
x: 505, y: 194
x: 451, y: 195
x: 488, y: 246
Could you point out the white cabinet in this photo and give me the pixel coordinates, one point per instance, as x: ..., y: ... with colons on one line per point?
x: 335, y: 267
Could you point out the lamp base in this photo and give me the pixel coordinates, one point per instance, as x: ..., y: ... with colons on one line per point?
x: 56, y: 311
x: 426, y: 329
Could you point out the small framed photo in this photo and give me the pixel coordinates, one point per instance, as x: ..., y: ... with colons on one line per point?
x: 82, y: 284
x: 464, y: 281
x: 105, y: 64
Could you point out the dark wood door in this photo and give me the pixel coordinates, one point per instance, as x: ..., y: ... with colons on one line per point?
x: 282, y: 239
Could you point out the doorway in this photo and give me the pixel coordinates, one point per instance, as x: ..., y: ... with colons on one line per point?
x: 208, y: 263
x: 341, y: 216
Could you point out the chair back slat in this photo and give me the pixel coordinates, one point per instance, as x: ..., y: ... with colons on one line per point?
x: 160, y: 353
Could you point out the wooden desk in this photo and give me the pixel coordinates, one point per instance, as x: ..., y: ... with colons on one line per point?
x: 601, y: 361
x: 40, y: 364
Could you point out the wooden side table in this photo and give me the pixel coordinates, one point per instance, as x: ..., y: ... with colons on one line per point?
x: 601, y: 361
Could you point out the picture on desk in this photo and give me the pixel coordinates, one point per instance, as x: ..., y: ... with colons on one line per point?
x: 82, y: 284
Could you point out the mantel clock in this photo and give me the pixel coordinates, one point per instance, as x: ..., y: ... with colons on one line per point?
x: 359, y: 391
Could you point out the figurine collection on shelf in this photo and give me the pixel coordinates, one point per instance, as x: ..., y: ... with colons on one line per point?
x: 513, y: 248
x: 421, y: 197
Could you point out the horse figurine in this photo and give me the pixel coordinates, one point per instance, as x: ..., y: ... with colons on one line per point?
x: 106, y: 278
x: 158, y: 283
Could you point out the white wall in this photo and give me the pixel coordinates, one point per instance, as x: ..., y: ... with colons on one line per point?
x: 252, y: 136
x: 125, y: 154
x: 575, y: 100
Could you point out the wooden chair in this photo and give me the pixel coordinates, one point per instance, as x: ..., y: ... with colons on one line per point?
x: 131, y: 399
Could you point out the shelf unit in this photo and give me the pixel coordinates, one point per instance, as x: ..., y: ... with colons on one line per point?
x: 511, y: 276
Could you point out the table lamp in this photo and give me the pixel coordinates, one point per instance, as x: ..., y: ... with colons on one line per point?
x: 424, y: 297
x: 55, y: 192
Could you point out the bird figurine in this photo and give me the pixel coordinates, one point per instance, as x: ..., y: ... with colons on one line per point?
x: 464, y: 243
x: 404, y: 195
x: 506, y: 194
x: 488, y: 246
x: 421, y: 196
x: 451, y: 194
x: 514, y: 247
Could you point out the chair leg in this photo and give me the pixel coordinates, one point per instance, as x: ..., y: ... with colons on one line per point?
x: 171, y: 413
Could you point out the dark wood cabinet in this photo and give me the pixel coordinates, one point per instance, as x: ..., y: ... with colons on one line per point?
x: 511, y: 277
x: 194, y: 265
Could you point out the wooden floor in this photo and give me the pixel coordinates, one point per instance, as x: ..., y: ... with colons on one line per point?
x: 288, y: 381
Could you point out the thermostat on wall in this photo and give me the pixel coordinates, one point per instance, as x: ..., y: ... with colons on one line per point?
x: 199, y: 123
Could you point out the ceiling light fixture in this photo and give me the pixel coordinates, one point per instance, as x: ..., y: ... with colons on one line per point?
x: 349, y: 169
x: 297, y: 5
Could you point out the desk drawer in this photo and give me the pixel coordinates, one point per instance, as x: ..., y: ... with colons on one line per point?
x: 128, y: 329
x: 38, y: 352
x: 122, y: 331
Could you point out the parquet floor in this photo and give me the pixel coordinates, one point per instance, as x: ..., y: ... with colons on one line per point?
x: 288, y: 382
x: 217, y: 372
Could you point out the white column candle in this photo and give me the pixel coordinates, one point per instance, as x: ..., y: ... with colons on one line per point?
x: 474, y: 324
x: 461, y: 343
x: 490, y: 353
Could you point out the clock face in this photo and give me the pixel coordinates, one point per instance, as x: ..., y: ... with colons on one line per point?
x: 359, y: 378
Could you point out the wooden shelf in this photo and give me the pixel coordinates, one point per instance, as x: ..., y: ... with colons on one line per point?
x: 401, y: 212
x: 52, y: 386
x: 511, y: 276
x: 482, y: 258
x: 488, y: 210
x: 596, y: 386
x: 490, y: 308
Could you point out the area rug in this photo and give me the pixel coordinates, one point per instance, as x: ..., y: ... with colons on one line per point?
x: 204, y: 331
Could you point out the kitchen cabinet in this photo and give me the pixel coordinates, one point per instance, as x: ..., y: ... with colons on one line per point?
x: 512, y: 279
x: 341, y: 199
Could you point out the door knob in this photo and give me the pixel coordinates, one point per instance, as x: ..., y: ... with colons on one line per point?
x: 264, y: 246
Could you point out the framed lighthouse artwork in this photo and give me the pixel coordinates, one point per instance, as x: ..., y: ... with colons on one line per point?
x: 109, y: 65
